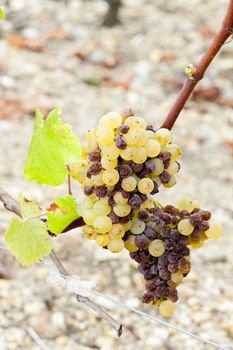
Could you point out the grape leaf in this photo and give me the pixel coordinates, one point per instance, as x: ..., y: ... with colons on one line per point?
x: 28, y: 239
x: 2, y: 14
x: 28, y: 208
x: 62, y: 213
x: 53, y: 146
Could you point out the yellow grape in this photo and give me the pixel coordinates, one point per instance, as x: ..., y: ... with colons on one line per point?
x: 97, y: 179
x: 163, y: 136
x: 147, y: 204
x: 84, y: 151
x: 159, y: 167
x: 197, y: 244
x: 110, y: 177
x: 143, y: 137
x: 117, y: 231
x: 88, y: 203
x: 156, y: 248
x: 135, y: 123
x: 89, y: 216
x: 111, y: 120
x: 173, y: 168
x: 119, y: 199
x: 157, y: 180
x: 111, y: 151
x: 105, y: 136
x: 175, y: 151
x: 115, y: 245
x: 108, y: 164
x: 89, y: 232
x: 130, y: 244
x: 145, y: 185
x: 184, y: 227
x: 129, y: 184
x: 150, y: 134
x: 122, y: 210
x: 140, y: 155
x: 78, y: 170
x: 92, y: 145
x: 177, y: 277
x: 188, y: 204
x: 131, y: 138
x: 91, y: 134
x: 171, y: 182
x: 128, y: 153
x: 214, y: 231
x: 138, y: 226
x: 153, y: 148
x: 102, y: 240
x: 101, y: 208
x: 128, y: 225
x: 167, y: 308
x: 103, y: 224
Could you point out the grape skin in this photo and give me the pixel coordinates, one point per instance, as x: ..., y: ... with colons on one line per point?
x: 185, y: 228
x: 104, y: 136
x: 167, y: 308
x: 116, y: 245
x: 129, y: 184
x: 214, y: 231
x: 103, y: 224
x: 110, y: 177
x: 156, y: 248
x: 145, y: 186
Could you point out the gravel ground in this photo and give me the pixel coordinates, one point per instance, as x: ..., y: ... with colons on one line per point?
x: 151, y: 47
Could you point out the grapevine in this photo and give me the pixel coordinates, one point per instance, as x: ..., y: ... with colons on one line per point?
x: 121, y: 168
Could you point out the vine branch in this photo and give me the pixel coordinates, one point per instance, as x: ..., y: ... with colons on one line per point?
x: 224, y: 33
x: 12, y: 205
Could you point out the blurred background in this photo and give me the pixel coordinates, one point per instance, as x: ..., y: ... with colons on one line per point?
x: 93, y: 56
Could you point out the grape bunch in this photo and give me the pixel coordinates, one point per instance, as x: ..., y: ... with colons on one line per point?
x: 125, y: 163
x: 162, y: 248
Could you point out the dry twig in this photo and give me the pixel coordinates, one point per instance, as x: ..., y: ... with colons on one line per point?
x: 11, y: 204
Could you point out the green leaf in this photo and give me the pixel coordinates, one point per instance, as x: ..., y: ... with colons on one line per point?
x: 53, y: 146
x: 62, y: 214
x: 2, y: 14
x: 28, y: 239
x: 29, y: 209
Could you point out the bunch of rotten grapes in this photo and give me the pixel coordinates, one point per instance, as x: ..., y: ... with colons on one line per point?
x: 126, y: 161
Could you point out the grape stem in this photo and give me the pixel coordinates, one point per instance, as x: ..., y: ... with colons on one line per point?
x: 12, y: 205
x: 224, y: 33
x: 69, y: 181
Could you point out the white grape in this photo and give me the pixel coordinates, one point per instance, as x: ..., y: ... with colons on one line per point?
x: 138, y: 226
x: 103, y: 224
x: 111, y: 120
x: 110, y: 177
x: 129, y: 184
x: 156, y: 248
x: 184, y: 227
x: 105, y: 136
x: 167, y: 308
x: 153, y: 148
x: 145, y: 185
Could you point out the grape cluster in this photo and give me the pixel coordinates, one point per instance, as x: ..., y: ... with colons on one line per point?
x: 162, y: 248
x: 125, y: 163
x: 127, y: 160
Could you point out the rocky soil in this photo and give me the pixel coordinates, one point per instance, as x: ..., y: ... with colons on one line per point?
x: 53, y: 53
